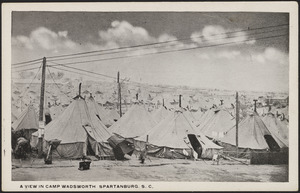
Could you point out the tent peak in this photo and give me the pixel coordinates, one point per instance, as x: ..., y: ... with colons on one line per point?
x: 178, y: 111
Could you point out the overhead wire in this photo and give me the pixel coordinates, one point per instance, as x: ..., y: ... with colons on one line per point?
x: 139, y: 55
x: 126, y: 80
x: 57, y: 64
x: 65, y: 64
x: 32, y: 62
x: 168, y: 51
x: 25, y: 65
x: 27, y: 88
x: 20, y: 63
x: 25, y: 69
x: 162, y: 46
x: 134, y: 46
x: 57, y: 84
x: 72, y: 71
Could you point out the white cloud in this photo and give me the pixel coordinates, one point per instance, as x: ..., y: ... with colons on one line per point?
x: 213, y: 32
x: 216, y: 34
x: 166, y: 37
x: 219, y: 54
x: 203, y: 56
x: 271, y: 56
x: 208, y: 65
x: 45, y: 39
x: 228, y: 54
x: 197, y: 37
x: 63, y: 34
x: 123, y: 33
x: 22, y: 42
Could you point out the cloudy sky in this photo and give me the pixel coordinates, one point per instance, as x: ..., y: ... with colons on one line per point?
x: 233, y: 51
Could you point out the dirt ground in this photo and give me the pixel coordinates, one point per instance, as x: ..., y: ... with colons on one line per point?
x: 154, y: 169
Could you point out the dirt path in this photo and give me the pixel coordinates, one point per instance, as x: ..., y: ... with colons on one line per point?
x: 156, y: 170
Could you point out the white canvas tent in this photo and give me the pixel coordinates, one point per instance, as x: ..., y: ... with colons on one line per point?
x: 216, y: 125
x: 254, y: 134
x: 176, y: 137
x: 99, y: 112
x: 161, y: 113
x: 80, y: 132
x: 277, y: 126
x: 26, y: 122
x: 135, y: 122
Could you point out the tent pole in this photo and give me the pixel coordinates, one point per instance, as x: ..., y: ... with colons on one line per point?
x: 237, y: 124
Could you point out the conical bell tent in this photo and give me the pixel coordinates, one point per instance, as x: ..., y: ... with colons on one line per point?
x: 113, y: 115
x: 81, y: 133
x: 176, y: 137
x: 276, y: 126
x: 13, y: 117
x: 136, y: 122
x: 254, y: 135
x: 217, y: 124
x: 25, y: 124
x: 161, y: 113
x: 99, y: 111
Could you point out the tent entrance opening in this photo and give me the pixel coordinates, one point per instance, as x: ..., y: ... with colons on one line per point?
x: 90, y: 149
x: 272, y: 143
x: 195, y: 144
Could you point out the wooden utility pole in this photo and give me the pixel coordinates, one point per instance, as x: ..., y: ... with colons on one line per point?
x: 41, y: 112
x: 237, y: 124
x: 180, y: 100
x: 79, y: 90
x: 21, y: 103
x: 119, y: 94
x: 147, y: 141
x: 255, y: 100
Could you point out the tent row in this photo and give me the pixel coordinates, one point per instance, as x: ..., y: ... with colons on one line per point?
x: 82, y: 129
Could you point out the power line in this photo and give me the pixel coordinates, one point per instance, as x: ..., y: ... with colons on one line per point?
x: 161, y: 46
x: 156, y: 43
x: 25, y: 65
x: 126, y: 47
x: 57, y: 64
x: 57, y: 84
x: 167, y: 51
x: 31, y: 81
x: 16, y: 64
x: 72, y: 71
x: 99, y: 75
x: 141, y: 84
x: 64, y: 65
x: 26, y: 69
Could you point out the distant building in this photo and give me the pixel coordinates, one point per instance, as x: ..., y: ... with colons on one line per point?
x: 284, y: 101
